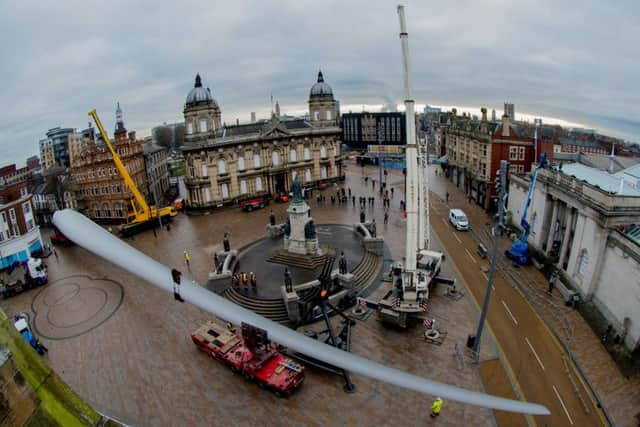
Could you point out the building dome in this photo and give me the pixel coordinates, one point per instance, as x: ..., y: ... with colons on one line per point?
x: 320, y: 89
x: 199, y: 95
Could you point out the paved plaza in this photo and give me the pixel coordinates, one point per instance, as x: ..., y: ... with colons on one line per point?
x: 125, y: 346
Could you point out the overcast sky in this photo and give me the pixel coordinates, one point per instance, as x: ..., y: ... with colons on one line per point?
x: 574, y: 60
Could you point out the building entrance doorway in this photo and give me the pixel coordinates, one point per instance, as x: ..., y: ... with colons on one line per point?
x: 280, y: 183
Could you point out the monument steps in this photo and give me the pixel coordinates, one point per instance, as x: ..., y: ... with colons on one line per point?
x: 306, y: 262
x: 273, y: 308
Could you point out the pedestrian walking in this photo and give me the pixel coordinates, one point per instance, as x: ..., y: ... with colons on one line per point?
x: 349, y: 191
x: 391, y: 192
x: 366, y: 179
x: 353, y: 201
x: 55, y: 253
x: 254, y: 280
x: 552, y: 282
x: 244, y: 277
x: 186, y: 257
x: 373, y: 184
x: 362, y: 217
x: 436, y: 407
x: 447, y: 197
x: 386, y: 218
x: 401, y: 204
x: 333, y: 200
x: 168, y: 227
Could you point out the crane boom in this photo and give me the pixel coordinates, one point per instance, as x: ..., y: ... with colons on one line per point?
x: 411, y: 204
x: 139, y: 198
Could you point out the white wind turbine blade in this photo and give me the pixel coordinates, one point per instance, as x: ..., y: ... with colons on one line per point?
x: 90, y: 236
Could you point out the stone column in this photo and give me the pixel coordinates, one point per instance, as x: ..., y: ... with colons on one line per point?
x: 565, y: 238
x: 554, y: 218
x: 595, y: 279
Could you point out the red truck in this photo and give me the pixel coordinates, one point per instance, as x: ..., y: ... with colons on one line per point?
x: 255, y: 203
x: 252, y: 355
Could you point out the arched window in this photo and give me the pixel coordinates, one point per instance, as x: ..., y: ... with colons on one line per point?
x: 256, y: 160
x: 583, y: 262
x: 316, y: 115
x: 203, y: 125
x: 118, y: 209
x: 204, y: 170
x: 240, y: 163
x: 96, y: 211
x: 328, y: 114
x: 323, y: 152
x: 243, y: 187
x: 189, y: 128
x: 224, y: 190
x: 307, y: 175
x: 106, y: 210
x: 307, y: 153
x: 207, y: 195
x: 293, y: 155
x: 275, y: 158
x: 335, y: 150
x: 258, y: 184
x: 323, y: 172
x: 222, y: 167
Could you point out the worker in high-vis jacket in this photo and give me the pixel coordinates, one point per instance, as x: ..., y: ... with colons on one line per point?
x: 436, y: 406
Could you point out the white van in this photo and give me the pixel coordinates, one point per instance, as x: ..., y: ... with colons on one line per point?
x: 458, y: 219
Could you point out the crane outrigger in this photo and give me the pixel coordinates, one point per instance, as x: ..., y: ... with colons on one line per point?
x: 413, y: 278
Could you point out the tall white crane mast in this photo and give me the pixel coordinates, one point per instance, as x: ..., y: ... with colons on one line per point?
x: 412, y: 190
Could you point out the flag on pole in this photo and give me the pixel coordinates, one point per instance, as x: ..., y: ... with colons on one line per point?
x: 428, y: 323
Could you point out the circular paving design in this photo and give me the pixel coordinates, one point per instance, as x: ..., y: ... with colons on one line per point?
x: 75, y: 305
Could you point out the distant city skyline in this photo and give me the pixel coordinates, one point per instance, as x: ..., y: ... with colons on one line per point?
x: 574, y: 61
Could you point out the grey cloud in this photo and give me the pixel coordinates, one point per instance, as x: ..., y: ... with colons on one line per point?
x: 573, y: 59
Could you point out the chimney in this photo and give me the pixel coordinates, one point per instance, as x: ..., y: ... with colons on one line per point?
x: 237, y: 122
x: 506, y: 125
x: 253, y: 117
x: 483, y: 110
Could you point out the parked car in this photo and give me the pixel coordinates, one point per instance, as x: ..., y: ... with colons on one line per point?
x: 21, y: 323
x: 255, y: 203
x: 458, y: 219
x: 281, y: 198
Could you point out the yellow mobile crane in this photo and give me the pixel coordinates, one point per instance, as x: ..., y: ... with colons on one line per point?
x: 142, y: 215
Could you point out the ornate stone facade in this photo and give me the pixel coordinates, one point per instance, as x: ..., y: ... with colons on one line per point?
x: 261, y: 159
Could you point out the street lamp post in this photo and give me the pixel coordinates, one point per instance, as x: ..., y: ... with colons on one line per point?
x: 494, y: 257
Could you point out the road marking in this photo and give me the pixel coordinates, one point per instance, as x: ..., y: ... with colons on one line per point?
x: 563, y: 406
x: 509, y: 311
x: 445, y: 222
x: 487, y: 279
x: 454, y: 235
x: 534, y: 353
x: 471, y: 256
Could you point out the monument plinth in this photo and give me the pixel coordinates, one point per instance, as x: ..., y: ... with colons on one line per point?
x: 300, y: 232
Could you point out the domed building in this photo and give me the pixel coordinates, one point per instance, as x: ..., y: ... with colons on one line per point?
x: 202, y: 114
x: 323, y: 108
x: 228, y: 164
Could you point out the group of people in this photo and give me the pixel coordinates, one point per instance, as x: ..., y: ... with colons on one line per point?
x: 244, y: 279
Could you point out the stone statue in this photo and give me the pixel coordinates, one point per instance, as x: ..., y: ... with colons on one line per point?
x: 309, y: 230
x: 373, y: 228
x: 225, y: 242
x: 297, y: 190
x: 288, y: 284
x: 287, y: 228
x: 272, y: 219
